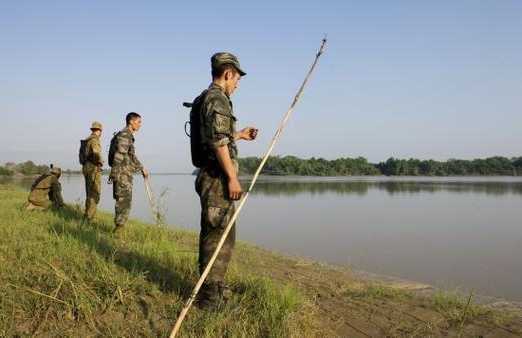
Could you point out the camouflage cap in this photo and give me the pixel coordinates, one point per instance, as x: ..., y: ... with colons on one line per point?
x: 224, y: 58
x: 96, y: 125
x: 56, y: 171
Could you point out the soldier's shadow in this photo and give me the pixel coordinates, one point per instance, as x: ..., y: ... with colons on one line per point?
x: 95, y: 236
x: 69, y: 212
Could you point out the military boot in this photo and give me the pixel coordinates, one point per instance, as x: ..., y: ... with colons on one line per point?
x: 119, y: 230
x: 225, y: 292
x: 208, y: 295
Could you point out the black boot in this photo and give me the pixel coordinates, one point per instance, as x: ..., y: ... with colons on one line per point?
x: 225, y: 292
x: 208, y: 296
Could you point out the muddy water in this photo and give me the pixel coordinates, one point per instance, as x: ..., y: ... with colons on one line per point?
x: 461, y: 233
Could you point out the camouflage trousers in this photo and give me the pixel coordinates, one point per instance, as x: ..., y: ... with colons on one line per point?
x: 92, y: 177
x: 216, y: 211
x: 122, y: 193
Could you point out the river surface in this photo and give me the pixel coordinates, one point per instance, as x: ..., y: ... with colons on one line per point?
x: 456, y: 233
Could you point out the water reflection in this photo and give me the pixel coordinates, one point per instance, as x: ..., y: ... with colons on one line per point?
x: 361, y: 188
x: 277, y: 186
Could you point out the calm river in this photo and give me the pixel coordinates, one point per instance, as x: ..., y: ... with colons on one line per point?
x: 455, y: 233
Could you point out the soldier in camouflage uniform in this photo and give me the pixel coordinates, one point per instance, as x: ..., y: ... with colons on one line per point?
x: 124, y: 165
x: 92, y: 170
x: 46, y: 191
x: 217, y: 183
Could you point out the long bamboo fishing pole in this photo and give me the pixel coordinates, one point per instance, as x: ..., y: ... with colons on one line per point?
x: 278, y: 132
x: 152, y: 203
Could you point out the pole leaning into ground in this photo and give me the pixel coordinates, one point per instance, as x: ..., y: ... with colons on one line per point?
x: 151, y: 198
x: 278, y: 132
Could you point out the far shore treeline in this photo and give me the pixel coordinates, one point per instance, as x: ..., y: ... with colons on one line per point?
x: 29, y: 168
x: 291, y: 165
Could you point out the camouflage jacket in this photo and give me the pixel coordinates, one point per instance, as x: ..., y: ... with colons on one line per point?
x: 125, y: 160
x: 93, y: 150
x: 218, y: 123
x: 46, y: 188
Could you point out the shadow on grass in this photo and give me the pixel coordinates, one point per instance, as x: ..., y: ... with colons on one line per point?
x: 166, y: 277
x: 70, y: 213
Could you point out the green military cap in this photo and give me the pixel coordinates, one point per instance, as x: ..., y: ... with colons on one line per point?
x: 56, y: 171
x: 96, y: 125
x: 224, y: 58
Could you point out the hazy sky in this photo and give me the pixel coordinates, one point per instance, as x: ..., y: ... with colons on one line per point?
x: 440, y: 79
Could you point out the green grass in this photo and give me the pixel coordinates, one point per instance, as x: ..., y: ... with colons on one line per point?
x: 61, y: 277
x: 454, y: 306
x: 375, y: 291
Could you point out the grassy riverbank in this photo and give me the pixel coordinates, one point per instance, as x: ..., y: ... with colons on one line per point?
x: 60, y: 277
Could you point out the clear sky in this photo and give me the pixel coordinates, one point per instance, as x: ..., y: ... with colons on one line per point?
x: 439, y: 79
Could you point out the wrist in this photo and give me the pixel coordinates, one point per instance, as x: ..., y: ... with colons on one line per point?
x: 231, y: 177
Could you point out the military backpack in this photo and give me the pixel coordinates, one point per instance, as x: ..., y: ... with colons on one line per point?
x: 196, y: 144
x: 113, y: 148
x: 82, y: 153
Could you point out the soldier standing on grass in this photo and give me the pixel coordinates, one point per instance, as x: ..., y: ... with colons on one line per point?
x: 46, y: 191
x: 124, y: 164
x: 92, y: 169
x: 217, y: 183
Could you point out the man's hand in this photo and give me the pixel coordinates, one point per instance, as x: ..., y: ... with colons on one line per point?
x: 234, y: 189
x: 223, y: 157
x: 248, y: 133
x: 145, y: 173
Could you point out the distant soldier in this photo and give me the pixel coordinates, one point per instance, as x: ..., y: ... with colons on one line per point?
x: 217, y: 182
x: 124, y: 164
x: 91, y: 159
x: 46, y: 191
